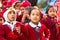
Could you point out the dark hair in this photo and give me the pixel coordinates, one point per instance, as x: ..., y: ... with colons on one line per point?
x: 35, y: 9
x: 16, y: 4
x: 49, y: 8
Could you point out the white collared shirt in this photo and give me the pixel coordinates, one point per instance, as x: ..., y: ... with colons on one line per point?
x: 33, y: 25
x: 10, y: 25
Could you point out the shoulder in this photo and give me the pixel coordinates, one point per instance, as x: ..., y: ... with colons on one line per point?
x: 43, y: 26
x: 27, y: 25
x: 19, y: 24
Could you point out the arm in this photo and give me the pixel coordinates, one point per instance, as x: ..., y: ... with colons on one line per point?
x: 2, y: 34
x: 47, y: 33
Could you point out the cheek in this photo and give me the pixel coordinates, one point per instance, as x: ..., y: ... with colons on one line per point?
x: 15, y: 16
x: 55, y: 13
x: 31, y: 17
x: 38, y: 18
x: 49, y: 13
x: 9, y: 16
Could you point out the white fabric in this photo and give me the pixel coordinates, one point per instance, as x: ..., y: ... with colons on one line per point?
x: 7, y: 20
x: 6, y: 13
x: 10, y: 25
x: 33, y: 25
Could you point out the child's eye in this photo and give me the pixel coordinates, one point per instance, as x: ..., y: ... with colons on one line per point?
x: 33, y: 14
x: 13, y: 13
x: 17, y: 5
x: 37, y: 14
x: 50, y: 11
x: 9, y: 12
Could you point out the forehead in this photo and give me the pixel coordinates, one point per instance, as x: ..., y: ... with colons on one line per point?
x: 35, y: 11
x: 12, y: 11
x: 52, y: 9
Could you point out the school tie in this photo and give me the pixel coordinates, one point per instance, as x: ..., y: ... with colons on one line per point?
x: 37, y: 28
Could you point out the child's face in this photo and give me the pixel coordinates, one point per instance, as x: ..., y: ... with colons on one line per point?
x: 35, y: 16
x: 22, y: 9
x: 11, y: 16
x: 1, y: 20
x: 52, y: 12
x: 17, y: 6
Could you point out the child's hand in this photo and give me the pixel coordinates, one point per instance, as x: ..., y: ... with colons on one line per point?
x: 58, y: 24
x: 45, y: 16
x: 24, y: 17
x: 18, y: 29
x: 28, y: 16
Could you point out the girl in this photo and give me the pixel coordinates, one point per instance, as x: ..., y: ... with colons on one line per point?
x: 17, y: 5
x: 26, y: 17
x: 11, y: 28
x: 22, y: 10
x: 50, y: 22
x: 34, y: 29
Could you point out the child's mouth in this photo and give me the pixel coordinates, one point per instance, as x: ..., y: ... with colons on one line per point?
x: 13, y: 17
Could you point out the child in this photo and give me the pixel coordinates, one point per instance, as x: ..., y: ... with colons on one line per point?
x: 36, y: 30
x: 17, y: 5
x: 26, y: 17
x: 11, y: 28
x: 22, y: 10
x: 50, y: 22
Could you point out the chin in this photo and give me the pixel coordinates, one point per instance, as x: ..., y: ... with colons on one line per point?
x: 12, y: 20
x: 35, y: 22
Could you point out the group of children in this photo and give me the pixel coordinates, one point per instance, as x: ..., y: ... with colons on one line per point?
x: 21, y: 21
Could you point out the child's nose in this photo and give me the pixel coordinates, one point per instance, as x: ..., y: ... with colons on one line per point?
x: 35, y: 16
x: 12, y: 14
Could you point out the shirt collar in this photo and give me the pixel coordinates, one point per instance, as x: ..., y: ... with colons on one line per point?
x: 10, y: 25
x: 33, y: 25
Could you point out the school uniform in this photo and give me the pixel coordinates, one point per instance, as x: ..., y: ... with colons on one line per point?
x: 50, y: 24
x: 36, y: 32
x: 19, y: 17
x: 59, y: 34
x: 58, y: 29
x: 8, y: 32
